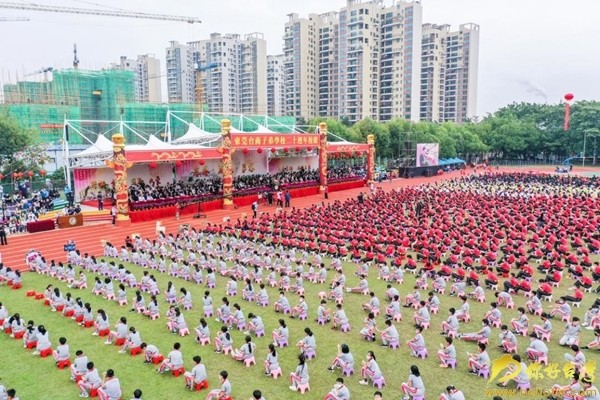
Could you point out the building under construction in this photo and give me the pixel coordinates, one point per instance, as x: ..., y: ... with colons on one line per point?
x: 71, y: 94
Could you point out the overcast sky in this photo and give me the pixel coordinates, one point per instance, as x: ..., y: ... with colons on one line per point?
x: 530, y: 50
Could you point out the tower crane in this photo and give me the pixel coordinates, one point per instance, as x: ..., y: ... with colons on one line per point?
x: 11, y: 19
x: 199, y: 69
x: 43, y: 70
x: 91, y: 11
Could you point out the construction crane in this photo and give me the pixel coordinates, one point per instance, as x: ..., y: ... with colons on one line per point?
x: 199, y: 69
x: 43, y: 70
x: 9, y: 19
x: 75, y: 58
x: 91, y: 11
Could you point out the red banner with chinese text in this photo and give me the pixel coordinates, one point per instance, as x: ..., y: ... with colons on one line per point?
x: 172, y: 155
x: 255, y: 140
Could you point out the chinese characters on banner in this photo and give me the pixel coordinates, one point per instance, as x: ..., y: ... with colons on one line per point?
x: 257, y: 140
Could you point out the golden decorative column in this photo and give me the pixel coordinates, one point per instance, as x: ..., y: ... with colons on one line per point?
x: 322, y: 156
x: 119, y: 164
x: 227, y: 166
x: 371, y: 159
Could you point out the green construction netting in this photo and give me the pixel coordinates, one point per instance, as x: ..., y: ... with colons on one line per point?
x: 47, y: 120
x: 90, y: 97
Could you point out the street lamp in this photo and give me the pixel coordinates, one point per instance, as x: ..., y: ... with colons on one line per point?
x: 584, y: 140
x: 593, y: 132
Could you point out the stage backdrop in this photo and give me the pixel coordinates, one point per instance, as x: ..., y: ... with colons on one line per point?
x: 191, y: 170
x: 249, y: 164
x: 89, y: 182
x: 427, y: 154
x: 294, y: 163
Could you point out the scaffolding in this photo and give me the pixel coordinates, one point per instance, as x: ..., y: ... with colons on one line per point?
x: 101, y: 95
x: 43, y: 119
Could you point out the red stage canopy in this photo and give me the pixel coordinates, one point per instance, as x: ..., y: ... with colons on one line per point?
x: 333, y: 147
x: 173, y: 155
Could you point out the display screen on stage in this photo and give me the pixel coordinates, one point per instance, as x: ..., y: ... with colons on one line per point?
x: 427, y: 154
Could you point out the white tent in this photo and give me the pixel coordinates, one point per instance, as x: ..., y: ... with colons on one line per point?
x: 262, y: 129
x: 153, y: 143
x: 101, y: 146
x: 196, y: 135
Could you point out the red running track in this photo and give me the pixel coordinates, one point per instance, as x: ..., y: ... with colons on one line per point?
x: 88, y: 238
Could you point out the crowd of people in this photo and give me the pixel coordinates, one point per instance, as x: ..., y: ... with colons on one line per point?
x: 489, y: 238
x: 342, y: 170
x: 18, y: 209
x: 141, y: 191
x: 154, y: 189
x: 286, y: 177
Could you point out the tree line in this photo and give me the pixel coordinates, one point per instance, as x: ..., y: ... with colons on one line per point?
x: 519, y: 131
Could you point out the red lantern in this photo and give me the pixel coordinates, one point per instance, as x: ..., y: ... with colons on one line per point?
x: 259, y: 150
x: 349, y: 154
x: 309, y: 148
x: 30, y: 173
x: 286, y: 149
x: 152, y: 165
x: 20, y: 174
x: 245, y: 151
x: 201, y: 162
x: 178, y: 163
x: 42, y: 172
x: 298, y: 149
x: 15, y: 175
x: 357, y: 153
x: 273, y: 150
x: 568, y: 98
x: 1, y: 176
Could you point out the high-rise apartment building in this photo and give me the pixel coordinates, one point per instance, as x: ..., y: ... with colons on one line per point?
x: 367, y: 60
x: 359, y: 59
x: 363, y: 61
x: 449, y: 73
x: 462, y: 65
x: 275, y: 85
x: 433, y: 72
x: 400, y: 61
x: 147, y: 77
x: 254, y: 74
x: 233, y: 72
x: 300, y: 66
x: 328, y: 89
x: 181, y: 78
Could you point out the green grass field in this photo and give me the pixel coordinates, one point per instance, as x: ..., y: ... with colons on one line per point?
x: 36, y: 378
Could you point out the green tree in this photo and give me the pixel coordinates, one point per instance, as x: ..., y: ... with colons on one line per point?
x: 367, y: 127
x: 334, y: 128
x: 400, y: 131
x: 14, y: 139
x: 585, y: 122
x: 592, y: 135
